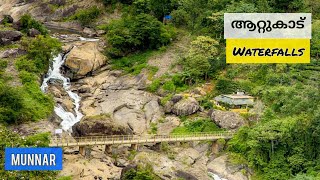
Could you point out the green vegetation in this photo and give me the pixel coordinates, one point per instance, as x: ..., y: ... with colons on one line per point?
x: 40, y: 52
x: 10, y: 139
x: 200, y: 125
x: 142, y: 173
x: 28, y: 103
x: 27, y: 22
x: 136, y: 33
x: 86, y: 16
x: 133, y: 63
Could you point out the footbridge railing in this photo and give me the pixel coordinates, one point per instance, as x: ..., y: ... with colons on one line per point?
x: 138, y: 139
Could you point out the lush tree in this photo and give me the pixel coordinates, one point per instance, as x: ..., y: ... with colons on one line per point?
x: 140, y: 32
x: 197, y: 63
x: 87, y: 16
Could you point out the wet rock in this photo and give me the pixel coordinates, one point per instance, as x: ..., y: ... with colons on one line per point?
x: 101, y: 32
x: 68, y: 104
x: 226, y: 119
x: 33, y: 32
x: 83, y: 59
x: 186, y: 107
x: 220, y: 166
x: 84, y: 89
x: 8, y: 37
x: 89, y: 32
x: 57, y: 82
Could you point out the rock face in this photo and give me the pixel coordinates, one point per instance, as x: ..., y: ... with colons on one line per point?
x: 220, y: 166
x: 186, y: 107
x: 187, y: 164
x: 8, y: 37
x: 89, y: 32
x: 6, y: 19
x: 170, y: 122
x: 33, y: 32
x: 122, y: 98
x: 12, y: 53
x: 83, y: 59
x: 98, y: 125
x: 226, y: 119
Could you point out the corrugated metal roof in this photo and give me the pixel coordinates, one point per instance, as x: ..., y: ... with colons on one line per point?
x: 235, y: 99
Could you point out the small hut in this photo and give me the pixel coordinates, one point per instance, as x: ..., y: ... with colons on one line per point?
x: 235, y: 101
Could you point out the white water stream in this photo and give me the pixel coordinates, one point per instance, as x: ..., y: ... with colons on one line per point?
x: 215, y: 176
x: 68, y: 118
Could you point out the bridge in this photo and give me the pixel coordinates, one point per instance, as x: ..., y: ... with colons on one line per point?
x: 134, y: 140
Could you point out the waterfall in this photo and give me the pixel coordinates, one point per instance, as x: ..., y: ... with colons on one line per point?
x: 68, y: 118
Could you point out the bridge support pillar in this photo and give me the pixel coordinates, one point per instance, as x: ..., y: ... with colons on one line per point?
x: 217, y: 146
x: 85, y: 151
x: 134, y: 147
x: 108, y: 149
x: 82, y: 150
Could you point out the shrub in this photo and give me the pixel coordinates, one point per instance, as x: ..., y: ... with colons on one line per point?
x: 40, y: 52
x: 11, y: 104
x: 142, y: 173
x: 38, y: 140
x: 201, y: 125
x: 86, y: 16
x: 27, y: 22
x: 180, y: 17
x: 3, y: 64
x: 169, y: 86
x: 154, y: 86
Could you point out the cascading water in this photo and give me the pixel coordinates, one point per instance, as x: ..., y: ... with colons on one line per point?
x: 215, y: 176
x: 68, y: 118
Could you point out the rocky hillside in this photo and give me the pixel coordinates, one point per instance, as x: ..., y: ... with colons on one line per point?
x: 131, y: 72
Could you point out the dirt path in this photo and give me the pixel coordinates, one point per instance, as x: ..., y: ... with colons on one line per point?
x: 166, y: 60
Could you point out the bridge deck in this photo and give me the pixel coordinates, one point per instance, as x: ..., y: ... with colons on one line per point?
x: 136, y: 139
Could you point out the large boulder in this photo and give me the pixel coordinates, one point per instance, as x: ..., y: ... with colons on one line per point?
x: 226, y: 119
x: 186, y: 107
x: 12, y: 53
x: 8, y: 37
x: 83, y: 59
x: 98, y: 125
x: 33, y: 32
x: 89, y: 32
